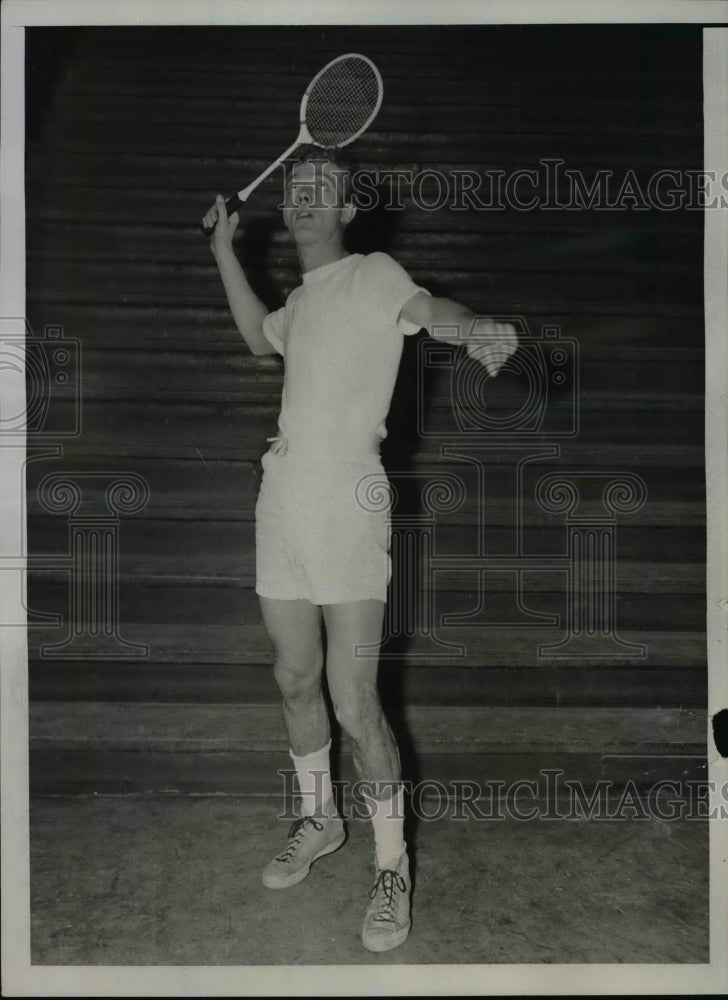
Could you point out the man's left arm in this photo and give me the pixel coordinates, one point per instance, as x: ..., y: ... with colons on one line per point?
x: 490, y: 342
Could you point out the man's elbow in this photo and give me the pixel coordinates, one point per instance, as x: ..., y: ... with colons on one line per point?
x: 418, y: 310
x: 260, y: 347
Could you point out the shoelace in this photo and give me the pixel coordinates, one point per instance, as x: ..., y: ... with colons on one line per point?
x: 296, y: 834
x: 389, y: 881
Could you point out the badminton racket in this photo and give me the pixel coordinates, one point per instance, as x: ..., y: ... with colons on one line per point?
x: 340, y: 104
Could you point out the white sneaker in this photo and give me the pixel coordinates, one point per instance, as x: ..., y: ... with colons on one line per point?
x: 387, y: 921
x: 308, y: 840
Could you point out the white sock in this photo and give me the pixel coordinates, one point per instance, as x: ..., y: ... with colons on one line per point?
x: 314, y: 779
x: 387, y: 817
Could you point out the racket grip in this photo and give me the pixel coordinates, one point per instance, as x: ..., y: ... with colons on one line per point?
x: 231, y: 205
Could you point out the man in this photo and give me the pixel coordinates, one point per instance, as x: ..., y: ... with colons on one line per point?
x: 320, y: 552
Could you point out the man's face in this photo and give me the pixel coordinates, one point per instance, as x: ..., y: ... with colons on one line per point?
x: 314, y: 209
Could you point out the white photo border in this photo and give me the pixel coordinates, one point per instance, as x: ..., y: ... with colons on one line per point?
x: 20, y: 978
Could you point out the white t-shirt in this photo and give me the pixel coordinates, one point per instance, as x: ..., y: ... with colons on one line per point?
x: 342, y: 338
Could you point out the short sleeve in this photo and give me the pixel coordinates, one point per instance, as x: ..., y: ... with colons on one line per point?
x: 274, y: 329
x: 391, y: 289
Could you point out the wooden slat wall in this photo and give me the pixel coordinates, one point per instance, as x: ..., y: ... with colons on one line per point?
x: 130, y: 134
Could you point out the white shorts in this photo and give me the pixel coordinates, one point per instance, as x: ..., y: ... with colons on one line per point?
x: 322, y: 531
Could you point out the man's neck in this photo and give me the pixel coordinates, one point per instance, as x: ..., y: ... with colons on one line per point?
x: 318, y: 255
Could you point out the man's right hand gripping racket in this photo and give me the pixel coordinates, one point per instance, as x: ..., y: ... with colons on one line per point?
x: 340, y: 104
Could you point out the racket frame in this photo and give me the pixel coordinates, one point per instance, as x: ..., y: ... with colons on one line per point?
x: 304, y: 136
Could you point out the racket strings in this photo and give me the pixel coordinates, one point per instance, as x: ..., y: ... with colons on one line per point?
x: 342, y: 102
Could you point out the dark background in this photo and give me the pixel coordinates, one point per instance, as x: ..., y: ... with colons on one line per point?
x: 131, y: 132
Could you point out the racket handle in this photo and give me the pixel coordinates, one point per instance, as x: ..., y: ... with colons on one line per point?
x: 231, y: 205
x: 234, y: 203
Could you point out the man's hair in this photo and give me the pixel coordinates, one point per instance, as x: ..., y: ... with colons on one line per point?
x: 333, y: 155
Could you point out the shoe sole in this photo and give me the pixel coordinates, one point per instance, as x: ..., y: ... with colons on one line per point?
x: 393, y: 941
x: 300, y: 875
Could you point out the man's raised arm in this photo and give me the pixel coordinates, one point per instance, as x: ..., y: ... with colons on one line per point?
x: 247, y: 309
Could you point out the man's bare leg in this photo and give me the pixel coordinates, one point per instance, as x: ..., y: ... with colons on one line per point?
x: 295, y: 630
x: 352, y: 677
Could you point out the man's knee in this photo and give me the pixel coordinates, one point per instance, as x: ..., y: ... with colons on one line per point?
x: 298, y: 679
x: 358, y: 712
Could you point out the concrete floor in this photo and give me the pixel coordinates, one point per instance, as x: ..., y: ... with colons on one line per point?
x: 176, y: 881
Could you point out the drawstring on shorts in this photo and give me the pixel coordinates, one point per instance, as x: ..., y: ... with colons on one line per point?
x: 279, y: 445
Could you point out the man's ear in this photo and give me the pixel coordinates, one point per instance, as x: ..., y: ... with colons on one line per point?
x: 348, y: 213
